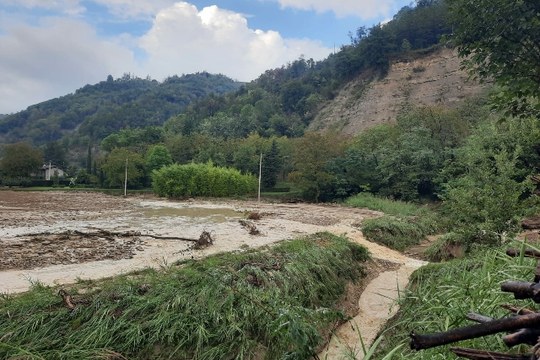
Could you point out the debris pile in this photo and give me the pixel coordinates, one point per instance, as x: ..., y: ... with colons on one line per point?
x: 522, y: 327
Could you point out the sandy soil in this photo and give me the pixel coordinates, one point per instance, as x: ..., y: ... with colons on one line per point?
x: 60, y: 237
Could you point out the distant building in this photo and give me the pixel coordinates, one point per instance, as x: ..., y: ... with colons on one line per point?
x: 49, y: 171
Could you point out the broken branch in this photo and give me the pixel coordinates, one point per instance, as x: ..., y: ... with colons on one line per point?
x: 419, y: 342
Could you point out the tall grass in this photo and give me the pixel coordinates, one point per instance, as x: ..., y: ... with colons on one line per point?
x: 440, y: 295
x: 404, y: 224
x: 387, y: 206
x: 272, y: 303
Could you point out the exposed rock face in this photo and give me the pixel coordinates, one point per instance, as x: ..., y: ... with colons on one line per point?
x: 435, y: 79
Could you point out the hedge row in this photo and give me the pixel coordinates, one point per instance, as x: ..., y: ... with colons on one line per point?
x: 175, y: 181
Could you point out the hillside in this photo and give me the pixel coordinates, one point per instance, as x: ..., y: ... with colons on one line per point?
x: 432, y: 79
x: 95, y: 111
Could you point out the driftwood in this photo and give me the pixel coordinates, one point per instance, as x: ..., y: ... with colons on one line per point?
x: 66, y: 298
x: 251, y: 228
x: 522, y: 327
x: 419, y: 342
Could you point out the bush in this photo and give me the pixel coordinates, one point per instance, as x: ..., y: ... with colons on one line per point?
x: 449, y: 246
x: 394, y: 232
x: 176, y: 181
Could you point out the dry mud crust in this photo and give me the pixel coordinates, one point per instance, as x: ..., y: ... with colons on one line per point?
x: 28, y: 208
x: 70, y: 247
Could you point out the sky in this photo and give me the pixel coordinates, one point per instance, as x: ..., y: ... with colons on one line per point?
x: 50, y: 48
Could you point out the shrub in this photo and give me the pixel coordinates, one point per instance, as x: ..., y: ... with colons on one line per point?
x: 176, y: 181
x: 394, y: 232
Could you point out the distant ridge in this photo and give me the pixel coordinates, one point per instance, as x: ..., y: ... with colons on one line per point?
x: 95, y: 111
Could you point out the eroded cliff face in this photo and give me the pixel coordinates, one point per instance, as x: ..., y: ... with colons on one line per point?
x: 435, y: 79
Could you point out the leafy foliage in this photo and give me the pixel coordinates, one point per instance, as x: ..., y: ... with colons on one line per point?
x: 177, y: 181
x: 19, y: 162
x: 500, y: 41
x: 114, y: 168
x: 488, y: 182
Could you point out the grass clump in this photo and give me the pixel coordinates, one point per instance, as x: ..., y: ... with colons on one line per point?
x: 404, y: 224
x: 440, y: 295
x: 396, y: 233
x: 387, y: 206
x: 276, y: 302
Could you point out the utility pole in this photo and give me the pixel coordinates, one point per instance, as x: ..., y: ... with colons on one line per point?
x: 125, y: 179
x: 260, y: 176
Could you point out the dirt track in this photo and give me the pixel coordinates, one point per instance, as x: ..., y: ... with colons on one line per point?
x: 60, y: 237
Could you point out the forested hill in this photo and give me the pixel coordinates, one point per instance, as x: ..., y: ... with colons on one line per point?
x: 95, y: 111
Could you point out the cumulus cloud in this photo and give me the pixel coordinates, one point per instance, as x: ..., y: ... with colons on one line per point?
x: 53, y: 59
x: 364, y: 9
x: 184, y: 39
x: 60, y: 54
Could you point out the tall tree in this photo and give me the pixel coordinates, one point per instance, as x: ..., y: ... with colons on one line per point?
x: 500, y: 40
x: 114, y: 168
x: 19, y: 161
x: 312, y: 156
x: 271, y: 166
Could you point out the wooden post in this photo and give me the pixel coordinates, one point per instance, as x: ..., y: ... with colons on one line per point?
x: 260, y: 176
x: 125, y: 179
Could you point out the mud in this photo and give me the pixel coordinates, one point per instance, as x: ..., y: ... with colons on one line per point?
x: 41, y: 241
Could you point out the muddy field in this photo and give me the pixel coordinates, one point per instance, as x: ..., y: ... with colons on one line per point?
x: 61, y: 237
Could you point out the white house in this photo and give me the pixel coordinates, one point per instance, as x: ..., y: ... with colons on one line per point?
x: 50, y: 170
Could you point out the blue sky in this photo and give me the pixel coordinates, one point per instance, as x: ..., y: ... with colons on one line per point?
x: 52, y: 47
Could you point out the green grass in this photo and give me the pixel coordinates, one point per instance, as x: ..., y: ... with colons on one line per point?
x: 387, y: 206
x: 404, y: 224
x: 396, y: 233
x: 275, y: 301
x: 440, y: 295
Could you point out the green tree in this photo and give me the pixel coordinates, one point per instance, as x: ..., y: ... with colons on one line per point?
x: 489, y: 187
x: 271, y: 166
x: 55, y: 153
x: 114, y: 166
x: 19, y: 161
x: 312, y: 157
x: 156, y: 157
x: 500, y: 41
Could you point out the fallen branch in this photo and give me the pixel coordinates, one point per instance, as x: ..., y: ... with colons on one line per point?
x: 66, y: 298
x: 489, y: 355
x: 522, y: 290
x: 419, y: 342
x: 478, y: 318
x: 517, y: 310
x: 252, y: 229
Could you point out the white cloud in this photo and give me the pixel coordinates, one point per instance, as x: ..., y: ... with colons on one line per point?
x: 364, y: 9
x: 184, y: 39
x: 53, y: 59
x: 135, y: 8
x: 69, y: 7
x: 58, y: 55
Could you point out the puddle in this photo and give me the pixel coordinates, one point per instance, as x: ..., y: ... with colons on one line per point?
x: 215, y: 215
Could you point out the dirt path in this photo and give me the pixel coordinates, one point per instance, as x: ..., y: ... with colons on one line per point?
x: 38, y: 242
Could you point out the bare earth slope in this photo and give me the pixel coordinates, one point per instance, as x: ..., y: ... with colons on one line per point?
x: 435, y: 79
